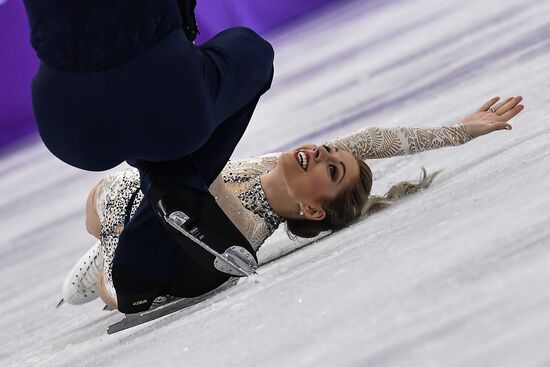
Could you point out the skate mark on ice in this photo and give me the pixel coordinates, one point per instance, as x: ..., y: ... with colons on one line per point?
x: 441, y: 44
x: 445, y: 81
x: 345, y: 55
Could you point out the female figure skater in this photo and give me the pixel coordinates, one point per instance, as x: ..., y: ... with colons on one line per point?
x: 121, y: 80
x: 312, y: 188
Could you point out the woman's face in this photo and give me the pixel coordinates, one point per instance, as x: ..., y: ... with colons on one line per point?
x: 318, y: 174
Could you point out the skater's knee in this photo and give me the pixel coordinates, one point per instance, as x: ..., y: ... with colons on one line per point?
x: 261, y: 57
x: 261, y: 44
x: 261, y: 49
x: 249, y: 55
x: 93, y: 225
x: 265, y: 53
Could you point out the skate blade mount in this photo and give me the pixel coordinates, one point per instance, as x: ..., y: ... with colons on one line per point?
x: 236, y: 260
x: 134, y: 319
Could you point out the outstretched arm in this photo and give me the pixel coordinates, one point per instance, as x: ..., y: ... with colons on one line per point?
x: 374, y: 142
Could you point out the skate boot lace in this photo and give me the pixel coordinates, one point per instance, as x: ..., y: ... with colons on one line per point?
x: 91, y: 273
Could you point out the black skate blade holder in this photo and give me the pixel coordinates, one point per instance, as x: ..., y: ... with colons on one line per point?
x: 235, y: 260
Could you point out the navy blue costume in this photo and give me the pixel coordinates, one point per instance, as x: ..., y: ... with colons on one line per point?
x: 120, y: 81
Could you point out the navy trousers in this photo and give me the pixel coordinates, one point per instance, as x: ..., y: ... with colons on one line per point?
x: 172, y: 106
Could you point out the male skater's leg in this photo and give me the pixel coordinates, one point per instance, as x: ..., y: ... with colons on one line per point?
x: 243, y: 57
x: 234, y: 68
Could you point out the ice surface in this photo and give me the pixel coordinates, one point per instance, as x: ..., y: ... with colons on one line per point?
x: 457, y: 275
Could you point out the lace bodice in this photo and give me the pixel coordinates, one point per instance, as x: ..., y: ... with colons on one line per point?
x: 238, y: 191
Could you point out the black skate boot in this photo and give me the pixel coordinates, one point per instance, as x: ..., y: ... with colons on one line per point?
x: 181, y: 202
x: 203, y: 229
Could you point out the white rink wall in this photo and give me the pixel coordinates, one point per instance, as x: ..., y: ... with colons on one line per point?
x: 457, y: 275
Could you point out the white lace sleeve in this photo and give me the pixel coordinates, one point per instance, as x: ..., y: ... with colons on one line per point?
x: 249, y: 224
x: 374, y: 142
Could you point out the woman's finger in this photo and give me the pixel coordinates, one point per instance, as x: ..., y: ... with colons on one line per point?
x: 509, y: 105
x: 502, y: 103
x: 500, y: 125
x: 512, y: 113
x: 489, y: 103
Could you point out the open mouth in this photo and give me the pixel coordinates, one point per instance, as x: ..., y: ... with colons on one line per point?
x: 302, y: 158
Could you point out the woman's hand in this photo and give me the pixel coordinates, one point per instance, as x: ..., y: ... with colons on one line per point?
x: 490, y: 117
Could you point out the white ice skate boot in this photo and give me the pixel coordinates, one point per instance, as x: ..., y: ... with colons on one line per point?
x: 80, y: 286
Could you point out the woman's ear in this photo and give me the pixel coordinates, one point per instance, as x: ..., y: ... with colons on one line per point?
x: 312, y: 213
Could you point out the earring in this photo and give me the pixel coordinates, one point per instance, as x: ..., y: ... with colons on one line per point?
x: 301, y: 210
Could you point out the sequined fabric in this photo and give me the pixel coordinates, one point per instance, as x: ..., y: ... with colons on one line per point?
x: 114, y: 193
x: 250, y: 191
x: 250, y: 212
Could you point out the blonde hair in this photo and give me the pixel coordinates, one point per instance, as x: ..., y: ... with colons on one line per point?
x: 355, y: 203
x: 398, y: 191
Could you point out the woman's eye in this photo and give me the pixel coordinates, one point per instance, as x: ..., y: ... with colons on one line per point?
x: 332, y: 169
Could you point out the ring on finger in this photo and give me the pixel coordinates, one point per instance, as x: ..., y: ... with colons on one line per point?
x: 492, y: 110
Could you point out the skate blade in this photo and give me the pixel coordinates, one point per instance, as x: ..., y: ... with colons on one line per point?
x: 240, y: 259
x: 175, y: 305
x: 235, y: 260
